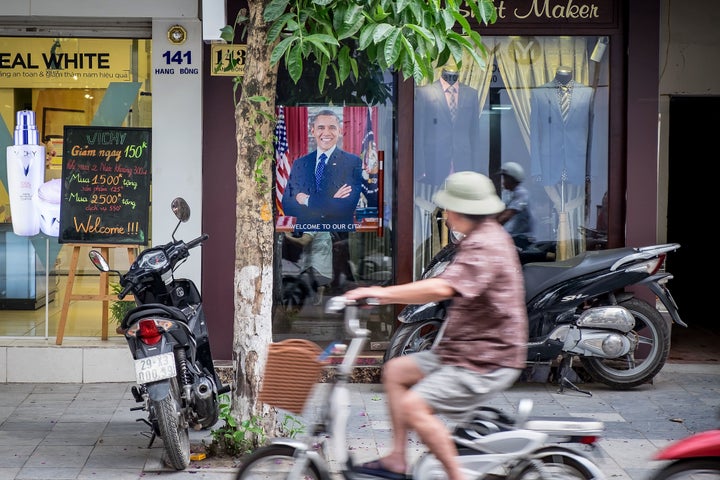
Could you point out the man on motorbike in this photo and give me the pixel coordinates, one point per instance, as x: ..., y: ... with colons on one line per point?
x: 517, y: 216
x: 482, y: 349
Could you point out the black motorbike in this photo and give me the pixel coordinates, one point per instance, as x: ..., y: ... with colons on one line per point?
x: 168, y: 337
x: 577, y: 308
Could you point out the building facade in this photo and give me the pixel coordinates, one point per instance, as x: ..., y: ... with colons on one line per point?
x: 103, y: 65
x: 159, y: 76
x: 594, y: 192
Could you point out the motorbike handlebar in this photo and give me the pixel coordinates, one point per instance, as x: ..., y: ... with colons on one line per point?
x: 125, y: 291
x: 197, y: 241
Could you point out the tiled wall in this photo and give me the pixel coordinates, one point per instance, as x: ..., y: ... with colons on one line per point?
x: 65, y: 364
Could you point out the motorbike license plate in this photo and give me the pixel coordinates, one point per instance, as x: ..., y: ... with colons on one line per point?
x: 157, y: 367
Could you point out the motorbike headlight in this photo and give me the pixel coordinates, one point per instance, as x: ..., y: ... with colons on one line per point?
x: 455, y: 236
x: 436, y: 269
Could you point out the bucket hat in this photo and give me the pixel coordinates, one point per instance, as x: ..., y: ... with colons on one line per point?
x: 471, y: 193
x: 514, y: 170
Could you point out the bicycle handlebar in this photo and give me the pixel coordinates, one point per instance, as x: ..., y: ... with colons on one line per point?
x: 339, y: 303
x: 352, y: 322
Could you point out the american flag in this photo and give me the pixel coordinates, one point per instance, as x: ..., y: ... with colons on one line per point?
x: 370, y: 163
x: 368, y: 142
x: 282, y: 166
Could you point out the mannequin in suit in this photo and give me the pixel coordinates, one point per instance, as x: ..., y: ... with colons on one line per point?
x: 558, y: 152
x: 558, y: 146
x: 444, y: 144
x: 563, y: 75
x: 333, y: 201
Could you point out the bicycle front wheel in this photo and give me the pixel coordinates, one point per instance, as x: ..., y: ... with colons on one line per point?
x: 275, y: 462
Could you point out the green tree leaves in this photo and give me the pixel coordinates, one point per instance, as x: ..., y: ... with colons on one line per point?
x: 411, y: 37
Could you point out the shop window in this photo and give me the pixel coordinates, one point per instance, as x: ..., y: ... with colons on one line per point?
x: 334, y: 221
x: 539, y: 102
x: 62, y: 81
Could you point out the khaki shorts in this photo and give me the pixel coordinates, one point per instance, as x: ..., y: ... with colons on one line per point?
x: 456, y: 391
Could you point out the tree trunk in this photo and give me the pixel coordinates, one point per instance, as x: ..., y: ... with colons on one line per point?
x: 254, y: 226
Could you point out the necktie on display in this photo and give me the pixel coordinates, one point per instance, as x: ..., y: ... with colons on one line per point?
x: 319, y: 170
x: 452, y: 101
x: 564, y: 102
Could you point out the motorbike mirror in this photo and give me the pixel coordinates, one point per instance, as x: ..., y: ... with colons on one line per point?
x: 181, y: 209
x: 99, y: 261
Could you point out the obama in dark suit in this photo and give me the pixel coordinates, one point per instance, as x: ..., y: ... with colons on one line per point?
x: 324, y: 197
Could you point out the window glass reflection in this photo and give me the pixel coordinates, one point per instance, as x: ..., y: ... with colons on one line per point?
x: 540, y: 103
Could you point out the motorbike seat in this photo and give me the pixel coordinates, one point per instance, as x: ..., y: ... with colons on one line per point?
x: 542, y: 275
x: 484, y: 421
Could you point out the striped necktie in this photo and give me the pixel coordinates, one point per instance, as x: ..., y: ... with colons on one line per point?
x: 319, y: 170
x: 452, y: 101
x: 564, y: 102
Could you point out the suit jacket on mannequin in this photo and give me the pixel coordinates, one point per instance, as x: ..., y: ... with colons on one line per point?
x: 341, y: 168
x: 558, y: 145
x: 439, y: 140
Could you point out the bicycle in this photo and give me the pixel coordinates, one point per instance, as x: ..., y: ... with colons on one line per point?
x: 491, y: 445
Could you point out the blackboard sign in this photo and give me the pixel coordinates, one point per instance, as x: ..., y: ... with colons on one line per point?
x: 105, y: 185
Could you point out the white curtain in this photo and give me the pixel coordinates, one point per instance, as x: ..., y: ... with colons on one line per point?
x: 525, y: 63
x: 528, y: 62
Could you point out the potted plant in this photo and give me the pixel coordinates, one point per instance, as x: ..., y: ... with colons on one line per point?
x: 119, y: 308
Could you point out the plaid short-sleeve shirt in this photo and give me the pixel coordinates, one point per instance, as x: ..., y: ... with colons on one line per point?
x: 486, y: 325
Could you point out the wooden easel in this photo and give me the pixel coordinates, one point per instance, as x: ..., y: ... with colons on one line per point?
x: 102, y: 295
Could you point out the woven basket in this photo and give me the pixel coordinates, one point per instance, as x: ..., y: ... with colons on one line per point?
x: 291, y: 371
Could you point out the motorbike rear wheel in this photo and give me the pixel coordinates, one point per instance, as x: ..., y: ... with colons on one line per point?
x: 412, y: 337
x: 555, y: 463
x: 173, y: 428
x: 695, y: 468
x: 275, y: 462
x: 641, y: 365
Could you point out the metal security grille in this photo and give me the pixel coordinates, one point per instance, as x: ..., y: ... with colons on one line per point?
x: 75, y: 27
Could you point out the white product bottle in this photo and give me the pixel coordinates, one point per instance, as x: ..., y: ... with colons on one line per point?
x: 25, y: 171
x: 47, y: 202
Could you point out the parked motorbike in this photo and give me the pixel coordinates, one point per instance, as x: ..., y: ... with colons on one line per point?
x: 302, y: 285
x: 298, y: 286
x: 577, y: 308
x: 696, y: 456
x: 168, y: 337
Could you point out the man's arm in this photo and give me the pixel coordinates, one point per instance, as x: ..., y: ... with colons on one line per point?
x: 302, y: 240
x: 506, y: 215
x: 518, y: 202
x: 291, y: 206
x: 422, y: 291
x: 347, y: 173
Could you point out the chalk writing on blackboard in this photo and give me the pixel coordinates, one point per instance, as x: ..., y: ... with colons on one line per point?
x: 105, y: 185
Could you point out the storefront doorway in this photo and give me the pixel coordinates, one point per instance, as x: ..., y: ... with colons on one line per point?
x: 691, y: 178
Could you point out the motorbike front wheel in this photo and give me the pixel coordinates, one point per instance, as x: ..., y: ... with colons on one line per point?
x: 294, y: 294
x: 695, y: 468
x: 276, y: 462
x: 412, y: 337
x: 642, y: 364
x: 173, y: 428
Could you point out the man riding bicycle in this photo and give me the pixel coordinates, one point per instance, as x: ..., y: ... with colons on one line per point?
x: 482, y: 348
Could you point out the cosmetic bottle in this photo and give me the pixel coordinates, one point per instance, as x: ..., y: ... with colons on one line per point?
x: 47, y: 202
x: 25, y: 171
